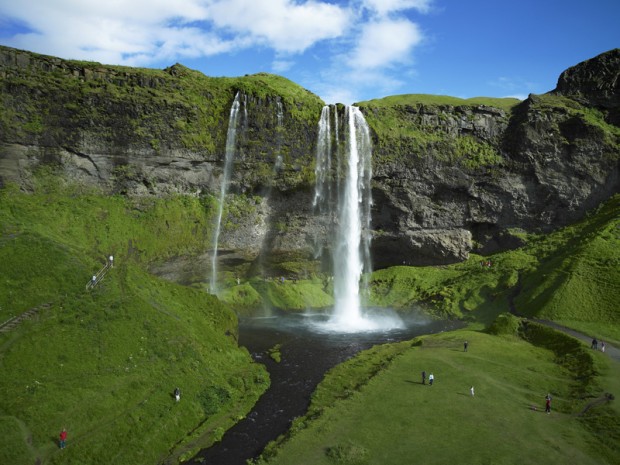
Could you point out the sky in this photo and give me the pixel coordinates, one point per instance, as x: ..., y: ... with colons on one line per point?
x: 344, y: 51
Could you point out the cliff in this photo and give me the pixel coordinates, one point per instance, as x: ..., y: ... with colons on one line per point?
x: 449, y: 175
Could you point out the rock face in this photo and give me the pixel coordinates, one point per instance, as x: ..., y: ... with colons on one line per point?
x: 595, y: 83
x: 449, y: 177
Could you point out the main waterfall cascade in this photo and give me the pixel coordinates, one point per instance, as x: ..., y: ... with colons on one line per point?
x: 231, y: 138
x: 349, y: 211
x: 342, y: 202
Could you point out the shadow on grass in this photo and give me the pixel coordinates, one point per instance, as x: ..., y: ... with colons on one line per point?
x: 415, y: 382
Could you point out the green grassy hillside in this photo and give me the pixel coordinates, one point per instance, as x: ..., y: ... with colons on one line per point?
x: 374, y: 409
x: 571, y: 276
x: 103, y: 363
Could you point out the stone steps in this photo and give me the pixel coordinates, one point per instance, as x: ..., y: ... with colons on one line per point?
x: 13, y: 322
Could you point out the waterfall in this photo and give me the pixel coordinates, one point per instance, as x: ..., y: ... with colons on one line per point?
x: 323, y: 162
x: 231, y: 137
x: 279, y: 129
x: 351, y: 255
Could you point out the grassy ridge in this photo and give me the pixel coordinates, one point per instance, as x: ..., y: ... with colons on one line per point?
x: 133, y: 107
x: 390, y: 417
x: 103, y: 363
x: 426, y: 99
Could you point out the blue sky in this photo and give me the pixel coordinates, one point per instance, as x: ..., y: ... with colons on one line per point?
x: 342, y: 50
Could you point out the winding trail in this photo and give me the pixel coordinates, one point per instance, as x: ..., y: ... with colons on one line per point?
x: 610, y: 350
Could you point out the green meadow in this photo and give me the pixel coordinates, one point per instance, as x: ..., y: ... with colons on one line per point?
x: 374, y: 409
x: 103, y: 363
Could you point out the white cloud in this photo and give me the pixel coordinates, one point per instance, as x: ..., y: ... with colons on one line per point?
x: 376, y: 35
x: 284, y: 25
x: 385, y: 42
x: 383, y: 7
x: 119, y: 31
x: 280, y: 66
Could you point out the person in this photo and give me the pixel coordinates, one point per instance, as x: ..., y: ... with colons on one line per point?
x: 63, y: 438
x: 471, y: 389
x: 465, y: 344
x: 548, y: 403
x: 602, y: 347
x: 177, y: 394
x: 94, y: 280
x: 111, y: 261
x: 594, y: 344
x: 431, y: 378
x: 423, y: 377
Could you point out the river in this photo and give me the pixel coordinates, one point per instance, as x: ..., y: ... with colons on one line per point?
x: 308, y: 351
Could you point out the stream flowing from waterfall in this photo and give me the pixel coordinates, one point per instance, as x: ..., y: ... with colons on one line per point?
x: 231, y: 139
x: 307, y: 351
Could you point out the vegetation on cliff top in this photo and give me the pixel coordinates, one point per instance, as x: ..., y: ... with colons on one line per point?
x: 428, y: 100
x: 176, y: 107
x: 431, y: 126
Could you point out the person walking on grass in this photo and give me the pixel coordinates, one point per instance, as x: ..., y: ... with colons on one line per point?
x: 63, y: 439
x: 471, y: 390
x: 465, y: 344
x: 548, y: 403
x: 423, y: 377
x: 431, y: 378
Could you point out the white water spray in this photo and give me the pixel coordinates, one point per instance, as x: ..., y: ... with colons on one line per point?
x: 349, y: 252
x: 351, y: 215
x: 231, y: 137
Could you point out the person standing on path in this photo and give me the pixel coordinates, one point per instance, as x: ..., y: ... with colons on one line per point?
x: 602, y: 347
x: 111, y: 261
x: 431, y: 378
x: 423, y: 377
x: 63, y: 438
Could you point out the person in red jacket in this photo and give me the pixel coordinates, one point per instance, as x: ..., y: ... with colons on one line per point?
x: 63, y: 438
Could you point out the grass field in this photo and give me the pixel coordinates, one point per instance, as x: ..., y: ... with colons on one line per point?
x: 103, y: 363
x: 393, y: 419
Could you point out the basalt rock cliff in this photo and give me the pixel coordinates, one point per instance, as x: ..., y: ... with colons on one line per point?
x: 450, y: 176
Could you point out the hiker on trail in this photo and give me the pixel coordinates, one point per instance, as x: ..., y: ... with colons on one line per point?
x: 465, y: 344
x: 177, y: 394
x: 111, y: 261
x: 594, y: 344
x: 471, y: 390
x: 63, y: 439
x: 602, y: 347
x: 548, y: 403
x: 94, y: 280
x: 424, y: 377
x: 431, y: 378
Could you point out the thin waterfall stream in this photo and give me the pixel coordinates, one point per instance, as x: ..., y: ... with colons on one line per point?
x: 231, y: 139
